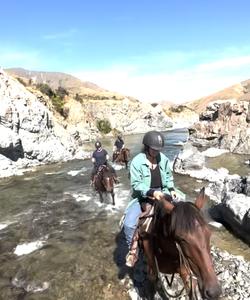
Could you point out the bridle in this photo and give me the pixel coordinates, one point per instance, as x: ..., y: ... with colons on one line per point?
x: 184, y: 262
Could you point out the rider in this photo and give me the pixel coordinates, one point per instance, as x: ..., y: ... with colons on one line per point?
x: 118, y: 146
x: 151, y: 178
x: 100, y: 157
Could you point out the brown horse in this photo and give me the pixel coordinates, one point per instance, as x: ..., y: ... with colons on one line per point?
x: 122, y: 156
x: 104, y: 182
x: 180, y: 243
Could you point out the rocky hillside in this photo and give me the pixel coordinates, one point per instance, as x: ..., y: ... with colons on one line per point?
x: 181, y: 115
x: 75, y: 87
x: 41, y: 125
x: 236, y: 92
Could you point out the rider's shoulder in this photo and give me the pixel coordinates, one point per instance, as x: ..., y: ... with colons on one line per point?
x: 139, y: 158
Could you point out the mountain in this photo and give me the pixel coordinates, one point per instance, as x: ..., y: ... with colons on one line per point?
x: 73, y: 85
x: 53, y: 79
x: 239, y: 92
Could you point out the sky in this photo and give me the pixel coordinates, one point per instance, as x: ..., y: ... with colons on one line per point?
x: 161, y: 50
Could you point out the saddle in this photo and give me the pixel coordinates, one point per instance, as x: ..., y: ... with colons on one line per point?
x: 145, y: 228
x: 143, y: 231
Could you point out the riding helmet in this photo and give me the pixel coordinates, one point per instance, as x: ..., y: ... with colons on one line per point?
x: 98, y: 145
x: 154, y: 140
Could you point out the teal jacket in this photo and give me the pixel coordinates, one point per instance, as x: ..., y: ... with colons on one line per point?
x: 140, y: 176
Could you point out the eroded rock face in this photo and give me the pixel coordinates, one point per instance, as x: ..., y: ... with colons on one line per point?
x: 224, y: 124
x: 32, y: 133
x: 27, y: 129
x: 230, y: 193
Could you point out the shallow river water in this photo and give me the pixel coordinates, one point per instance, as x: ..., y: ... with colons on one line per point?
x: 57, y: 241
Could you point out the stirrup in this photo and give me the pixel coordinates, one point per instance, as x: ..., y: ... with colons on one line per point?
x: 130, y: 260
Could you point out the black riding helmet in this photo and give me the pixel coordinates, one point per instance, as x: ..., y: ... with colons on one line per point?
x: 98, y: 144
x: 154, y: 140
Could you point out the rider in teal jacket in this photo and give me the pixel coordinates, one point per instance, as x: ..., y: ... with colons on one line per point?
x: 151, y: 178
x: 140, y: 176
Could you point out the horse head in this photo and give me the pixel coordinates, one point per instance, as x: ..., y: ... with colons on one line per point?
x: 125, y: 156
x: 104, y: 182
x: 107, y: 179
x: 192, y: 235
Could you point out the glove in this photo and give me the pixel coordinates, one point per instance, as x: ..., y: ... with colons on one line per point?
x: 173, y: 194
x: 158, y: 195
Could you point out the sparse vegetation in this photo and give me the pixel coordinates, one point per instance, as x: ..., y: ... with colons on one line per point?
x: 45, y: 89
x: 21, y: 81
x: 79, y: 98
x: 103, y: 126
x: 57, y: 97
x: 178, y: 108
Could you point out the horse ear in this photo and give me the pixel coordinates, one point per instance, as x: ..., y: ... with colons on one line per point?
x: 201, y: 199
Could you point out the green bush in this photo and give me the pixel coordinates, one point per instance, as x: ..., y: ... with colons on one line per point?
x: 46, y: 89
x: 103, y: 126
x: 58, y: 103
x: 61, y: 92
x: 21, y: 81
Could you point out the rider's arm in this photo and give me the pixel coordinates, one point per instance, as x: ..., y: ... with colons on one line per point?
x: 93, y: 158
x: 167, y: 177
x: 139, y: 179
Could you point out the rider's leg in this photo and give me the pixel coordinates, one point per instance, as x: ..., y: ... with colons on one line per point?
x: 114, y: 174
x: 93, y: 172
x: 130, y: 224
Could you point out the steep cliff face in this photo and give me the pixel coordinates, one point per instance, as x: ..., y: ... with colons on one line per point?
x: 27, y: 130
x: 225, y: 124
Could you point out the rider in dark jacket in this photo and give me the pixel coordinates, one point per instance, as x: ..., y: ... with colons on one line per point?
x: 100, y: 157
x: 118, y: 146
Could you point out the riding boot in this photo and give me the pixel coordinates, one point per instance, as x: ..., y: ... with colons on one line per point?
x: 132, y: 255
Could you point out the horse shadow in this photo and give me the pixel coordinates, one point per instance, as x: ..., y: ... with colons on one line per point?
x: 134, y: 278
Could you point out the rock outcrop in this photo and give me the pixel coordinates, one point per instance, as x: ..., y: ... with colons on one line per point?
x: 230, y: 193
x: 27, y: 127
x: 224, y: 124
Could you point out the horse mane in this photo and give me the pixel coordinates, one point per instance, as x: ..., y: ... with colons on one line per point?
x: 184, y: 217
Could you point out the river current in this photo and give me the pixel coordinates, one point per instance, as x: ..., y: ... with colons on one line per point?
x: 57, y: 241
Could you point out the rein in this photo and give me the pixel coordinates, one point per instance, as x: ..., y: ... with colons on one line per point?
x: 183, y: 262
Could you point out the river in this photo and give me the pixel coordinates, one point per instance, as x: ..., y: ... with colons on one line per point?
x: 57, y: 241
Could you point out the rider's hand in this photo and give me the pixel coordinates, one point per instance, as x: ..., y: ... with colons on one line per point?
x: 158, y: 195
x: 173, y: 194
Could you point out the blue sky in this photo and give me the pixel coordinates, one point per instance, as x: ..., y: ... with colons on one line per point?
x: 152, y: 50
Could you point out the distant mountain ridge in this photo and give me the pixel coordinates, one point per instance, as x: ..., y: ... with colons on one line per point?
x: 55, y: 79
x: 239, y: 92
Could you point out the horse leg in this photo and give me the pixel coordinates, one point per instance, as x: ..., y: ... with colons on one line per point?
x: 101, y: 197
x: 113, y: 197
x: 151, y: 267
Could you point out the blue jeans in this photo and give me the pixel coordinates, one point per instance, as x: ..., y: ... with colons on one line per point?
x: 131, y: 220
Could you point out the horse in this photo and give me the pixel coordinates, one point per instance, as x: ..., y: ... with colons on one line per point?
x: 180, y: 243
x: 122, y: 156
x: 104, y: 182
